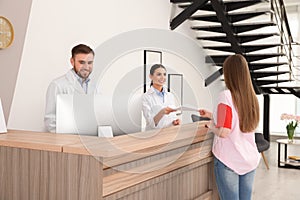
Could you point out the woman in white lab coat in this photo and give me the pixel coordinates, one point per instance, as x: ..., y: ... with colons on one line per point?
x: 157, y: 102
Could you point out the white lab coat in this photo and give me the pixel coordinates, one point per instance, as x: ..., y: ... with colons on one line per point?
x: 152, y: 104
x: 66, y: 84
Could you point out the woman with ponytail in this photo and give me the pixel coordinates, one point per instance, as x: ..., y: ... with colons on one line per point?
x: 157, y: 102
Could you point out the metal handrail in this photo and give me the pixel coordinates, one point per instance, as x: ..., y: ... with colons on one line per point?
x: 278, y: 7
x: 285, y: 19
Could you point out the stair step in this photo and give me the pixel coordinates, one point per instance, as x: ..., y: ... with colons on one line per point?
x: 232, y: 17
x: 236, y: 28
x: 240, y: 38
x: 245, y: 48
x: 258, y: 66
x: 262, y: 74
x: 213, y: 77
x: 181, y: 1
x: 249, y: 57
x: 282, y: 90
x: 228, y: 5
x: 268, y: 82
x: 219, y: 72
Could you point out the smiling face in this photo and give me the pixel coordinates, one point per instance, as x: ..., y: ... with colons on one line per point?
x: 83, y: 64
x: 158, y: 78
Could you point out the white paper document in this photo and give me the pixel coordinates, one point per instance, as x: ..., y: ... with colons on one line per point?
x: 187, y: 108
x: 2, y: 120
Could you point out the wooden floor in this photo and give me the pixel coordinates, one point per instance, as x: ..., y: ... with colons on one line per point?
x: 277, y: 183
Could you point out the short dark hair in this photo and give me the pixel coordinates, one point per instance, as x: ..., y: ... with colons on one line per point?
x: 82, y: 48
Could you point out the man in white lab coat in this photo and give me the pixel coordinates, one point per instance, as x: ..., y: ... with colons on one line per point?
x: 76, y: 80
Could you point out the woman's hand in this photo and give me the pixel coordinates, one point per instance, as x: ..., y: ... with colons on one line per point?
x: 205, y: 113
x: 176, y: 122
x: 220, y: 131
x: 168, y: 110
x: 161, y: 113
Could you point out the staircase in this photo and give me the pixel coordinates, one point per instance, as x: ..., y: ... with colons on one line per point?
x: 257, y: 29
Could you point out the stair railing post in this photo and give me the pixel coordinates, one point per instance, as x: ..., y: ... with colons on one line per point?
x: 272, y: 9
x: 290, y: 56
x: 266, y: 117
x: 281, y: 31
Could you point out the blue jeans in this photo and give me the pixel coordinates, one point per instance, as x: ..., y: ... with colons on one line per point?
x: 232, y: 186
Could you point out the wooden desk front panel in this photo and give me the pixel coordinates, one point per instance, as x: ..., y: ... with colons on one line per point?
x: 181, y: 173
x: 191, y: 182
x: 50, y: 166
x: 45, y: 175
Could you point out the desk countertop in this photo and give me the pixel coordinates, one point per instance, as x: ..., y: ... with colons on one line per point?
x: 142, y: 142
x: 37, y: 140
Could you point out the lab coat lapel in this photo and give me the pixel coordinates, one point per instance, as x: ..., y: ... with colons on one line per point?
x: 73, y: 81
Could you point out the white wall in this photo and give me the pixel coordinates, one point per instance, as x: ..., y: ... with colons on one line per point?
x: 18, y: 13
x: 56, y: 26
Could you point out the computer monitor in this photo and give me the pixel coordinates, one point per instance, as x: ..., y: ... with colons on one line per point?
x: 84, y: 113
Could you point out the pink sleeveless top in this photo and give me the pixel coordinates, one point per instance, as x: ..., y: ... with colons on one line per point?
x: 238, y: 151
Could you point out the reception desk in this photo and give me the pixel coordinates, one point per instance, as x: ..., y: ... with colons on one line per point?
x: 171, y: 163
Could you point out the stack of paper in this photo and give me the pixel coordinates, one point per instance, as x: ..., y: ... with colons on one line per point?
x: 187, y: 108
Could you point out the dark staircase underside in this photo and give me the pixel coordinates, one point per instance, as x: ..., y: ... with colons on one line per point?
x: 240, y: 38
x: 240, y: 33
x: 228, y: 5
x: 238, y: 28
x: 233, y: 17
